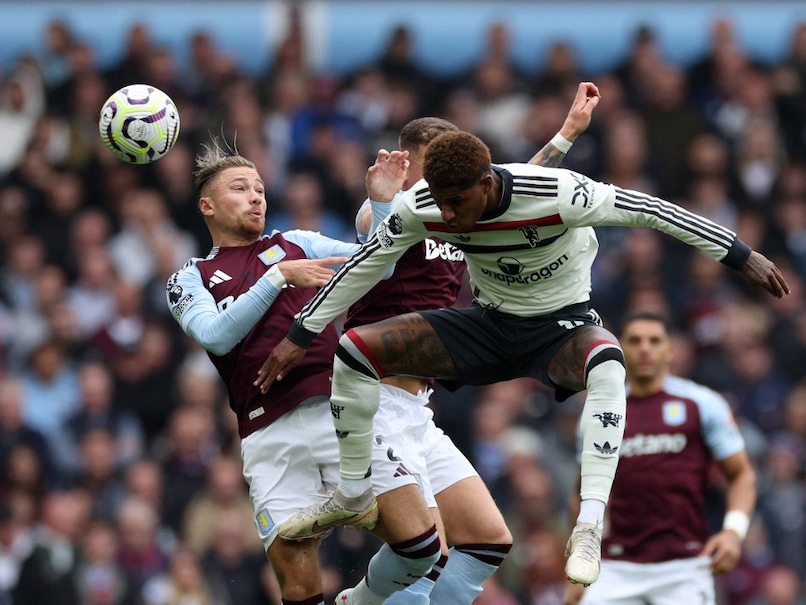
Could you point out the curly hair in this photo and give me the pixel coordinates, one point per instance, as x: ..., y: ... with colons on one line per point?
x: 456, y: 159
x: 422, y: 131
x: 214, y: 159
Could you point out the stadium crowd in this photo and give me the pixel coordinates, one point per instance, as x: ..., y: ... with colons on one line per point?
x: 120, y: 457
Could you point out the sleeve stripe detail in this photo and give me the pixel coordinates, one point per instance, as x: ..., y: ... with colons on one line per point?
x: 366, y: 250
x: 674, y: 215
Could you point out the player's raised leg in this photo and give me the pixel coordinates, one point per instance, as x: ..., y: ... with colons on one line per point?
x: 594, y: 357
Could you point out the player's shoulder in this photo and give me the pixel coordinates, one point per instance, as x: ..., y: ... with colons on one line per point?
x: 189, y: 268
x: 688, y: 389
x: 417, y: 199
x: 521, y: 168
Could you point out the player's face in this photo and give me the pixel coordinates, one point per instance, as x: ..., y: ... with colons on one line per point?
x: 647, y: 349
x: 238, y: 201
x: 462, y: 208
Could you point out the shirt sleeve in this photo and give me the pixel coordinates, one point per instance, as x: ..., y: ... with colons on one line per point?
x: 316, y: 245
x: 196, y: 311
x: 370, y: 264
x: 719, y: 429
x: 380, y: 210
x: 583, y: 202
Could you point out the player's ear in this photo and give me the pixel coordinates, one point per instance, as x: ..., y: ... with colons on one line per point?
x: 487, y: 182
x: 206, y: 205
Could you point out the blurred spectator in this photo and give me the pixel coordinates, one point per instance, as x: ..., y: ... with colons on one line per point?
x: 233, y: 566
x: 560, y: 73
x: 52, y: 394
x: 15, y: 546
x: 782, y: 501
x: 64, y: 197
x: 225, y: 492
x: 91, y: 296
x: 544, y: 575
x: 98, y: 475
x: 25, y: 257
x: 140, y: 554
x: 789, y: 82
x: 22, y: 101
x: 303, y: 207
x: 53, y: 57
x: 672, y: 123
x: 144, y: 374
x: 14, y: 431
x: 502, y: 107
x: 759, y: 160
x: 145, y: 229
x: 186, y: 452
x: 780, y: 586
x: 99, y: 577
x: 49, y: 574
x: 184, y: 583
x: 100, y: 411
x: 399, y: 65
x: 132, y: 66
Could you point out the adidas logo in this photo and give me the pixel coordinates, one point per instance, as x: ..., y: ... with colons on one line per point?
x: 606, y: 448
x: 219, y: 277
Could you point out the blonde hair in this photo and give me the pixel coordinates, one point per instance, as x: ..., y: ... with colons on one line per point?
x: 214, y: 159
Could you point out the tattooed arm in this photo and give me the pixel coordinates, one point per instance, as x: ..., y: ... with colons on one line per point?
x: 576, y: 122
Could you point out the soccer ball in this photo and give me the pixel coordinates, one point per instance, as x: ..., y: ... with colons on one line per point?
x: 139, y: 123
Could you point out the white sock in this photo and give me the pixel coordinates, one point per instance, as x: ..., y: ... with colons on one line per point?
x: 602, y: 428
x: 591, y: 511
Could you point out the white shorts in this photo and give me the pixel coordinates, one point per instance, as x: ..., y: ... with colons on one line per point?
x: 406, y: 423
x: 674, y: 582
x: 292, y: 462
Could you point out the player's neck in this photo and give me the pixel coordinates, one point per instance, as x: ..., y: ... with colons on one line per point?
x: 645, y: 388
x: 231, y: 241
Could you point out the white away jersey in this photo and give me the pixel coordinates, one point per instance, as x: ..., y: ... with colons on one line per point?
x: 533, y: 255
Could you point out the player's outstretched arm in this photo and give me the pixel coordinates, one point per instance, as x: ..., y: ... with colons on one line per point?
x: 384, y: 180
x: 761, y: 271
x: 576, y: 122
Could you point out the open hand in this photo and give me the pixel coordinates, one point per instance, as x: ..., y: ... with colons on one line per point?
x: 387, y: 175
x: 280, y: 361
x: 309, y: 272
x: 724, y: 550
x: 762, y: 272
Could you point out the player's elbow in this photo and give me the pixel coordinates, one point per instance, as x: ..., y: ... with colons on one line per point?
x: 212, y: 344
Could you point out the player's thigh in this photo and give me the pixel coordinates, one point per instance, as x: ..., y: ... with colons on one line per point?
x: 403, y: 515
x: 667, y: 583
x: 408, y: 345
x: 281, y: 468
x: 567, y: 367
x: 296, y: 565
x: 470, y: 514
x: 619, y: 583
x: 402, y: 422
x: 684, y: 581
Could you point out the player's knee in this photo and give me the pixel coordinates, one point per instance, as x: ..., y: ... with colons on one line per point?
x: 350, y: 354
x: 605, y: 371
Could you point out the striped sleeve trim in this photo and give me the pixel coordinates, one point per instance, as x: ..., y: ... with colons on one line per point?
x: 362, y: 253
x: 675, y: 215
x: 537, y: 186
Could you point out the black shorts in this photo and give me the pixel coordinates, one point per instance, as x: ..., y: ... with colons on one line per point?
x: 489, y: 346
